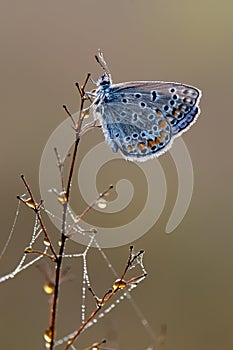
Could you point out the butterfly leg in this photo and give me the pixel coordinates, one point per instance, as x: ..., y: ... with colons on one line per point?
x: 89, y: 126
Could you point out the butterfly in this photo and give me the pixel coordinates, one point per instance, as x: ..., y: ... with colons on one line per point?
x: 142, y: 118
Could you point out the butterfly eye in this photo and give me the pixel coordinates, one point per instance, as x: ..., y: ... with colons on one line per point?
x: 93, y: 91
x: 104, y: 80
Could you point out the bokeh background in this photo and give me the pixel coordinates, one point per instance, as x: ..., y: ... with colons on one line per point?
x: 45, y: 47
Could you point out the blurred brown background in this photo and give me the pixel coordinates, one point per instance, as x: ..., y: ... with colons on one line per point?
x: 45, y: 47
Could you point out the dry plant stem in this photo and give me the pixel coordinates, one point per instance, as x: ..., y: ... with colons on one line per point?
x: 60, y: 164
x: 37, y: 211
x: 64, y: 215
x: 96, y: 345
x: 107, y: 296
x: 130, y: 261
x: 41, y: 253
x: 88, y: 208
x: 69, y: 114
x: 46, y: 235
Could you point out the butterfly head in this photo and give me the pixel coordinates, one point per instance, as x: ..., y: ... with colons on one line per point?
x: 104, y: 81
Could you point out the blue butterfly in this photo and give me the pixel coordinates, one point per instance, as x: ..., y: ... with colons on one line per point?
x: 142, y: 118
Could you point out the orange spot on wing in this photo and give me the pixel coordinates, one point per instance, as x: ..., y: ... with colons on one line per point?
x: 182, y: 108
x: 151, y: 143
x: 129, y: 148
x: 162, y: 123
x: 175, y: 112
x: 163, y: 134
x: 141, y: 146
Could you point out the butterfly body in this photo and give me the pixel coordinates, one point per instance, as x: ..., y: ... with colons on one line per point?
x: 142, y: 118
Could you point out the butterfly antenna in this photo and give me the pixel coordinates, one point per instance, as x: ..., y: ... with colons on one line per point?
x: 101, y: 61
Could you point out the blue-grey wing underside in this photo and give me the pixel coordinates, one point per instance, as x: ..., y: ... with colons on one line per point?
x: 142, y: 118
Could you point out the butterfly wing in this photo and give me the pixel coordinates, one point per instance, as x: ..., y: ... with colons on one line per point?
x: 137, y: 133
x: 142, y: 118
x: 177, y: 102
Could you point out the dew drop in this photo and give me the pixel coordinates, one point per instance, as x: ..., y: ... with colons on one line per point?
x: 30, y: 203
x: 46, y: 242
x: 102, y: 203
x: 48, y: 335
x: 93, y: 230
x: 119, y: 284
x: 62, y: 198
x: 28, y: 250
x: 48, y: 288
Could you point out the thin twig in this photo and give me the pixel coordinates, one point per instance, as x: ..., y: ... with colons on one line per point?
x: 64, y: 215
x: 107, y: 296
x: 69, y: 114
x: 30, y: 251
x: 95, y: 345
x: 36, y: 208
x: 60, y: 164
x: 87, y: 209
x: 130, y: 261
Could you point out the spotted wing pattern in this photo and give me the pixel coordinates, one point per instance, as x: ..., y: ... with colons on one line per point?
x: 142, y: 118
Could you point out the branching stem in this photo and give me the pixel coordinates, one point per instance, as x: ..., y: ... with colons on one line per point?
x: 63, y: 239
